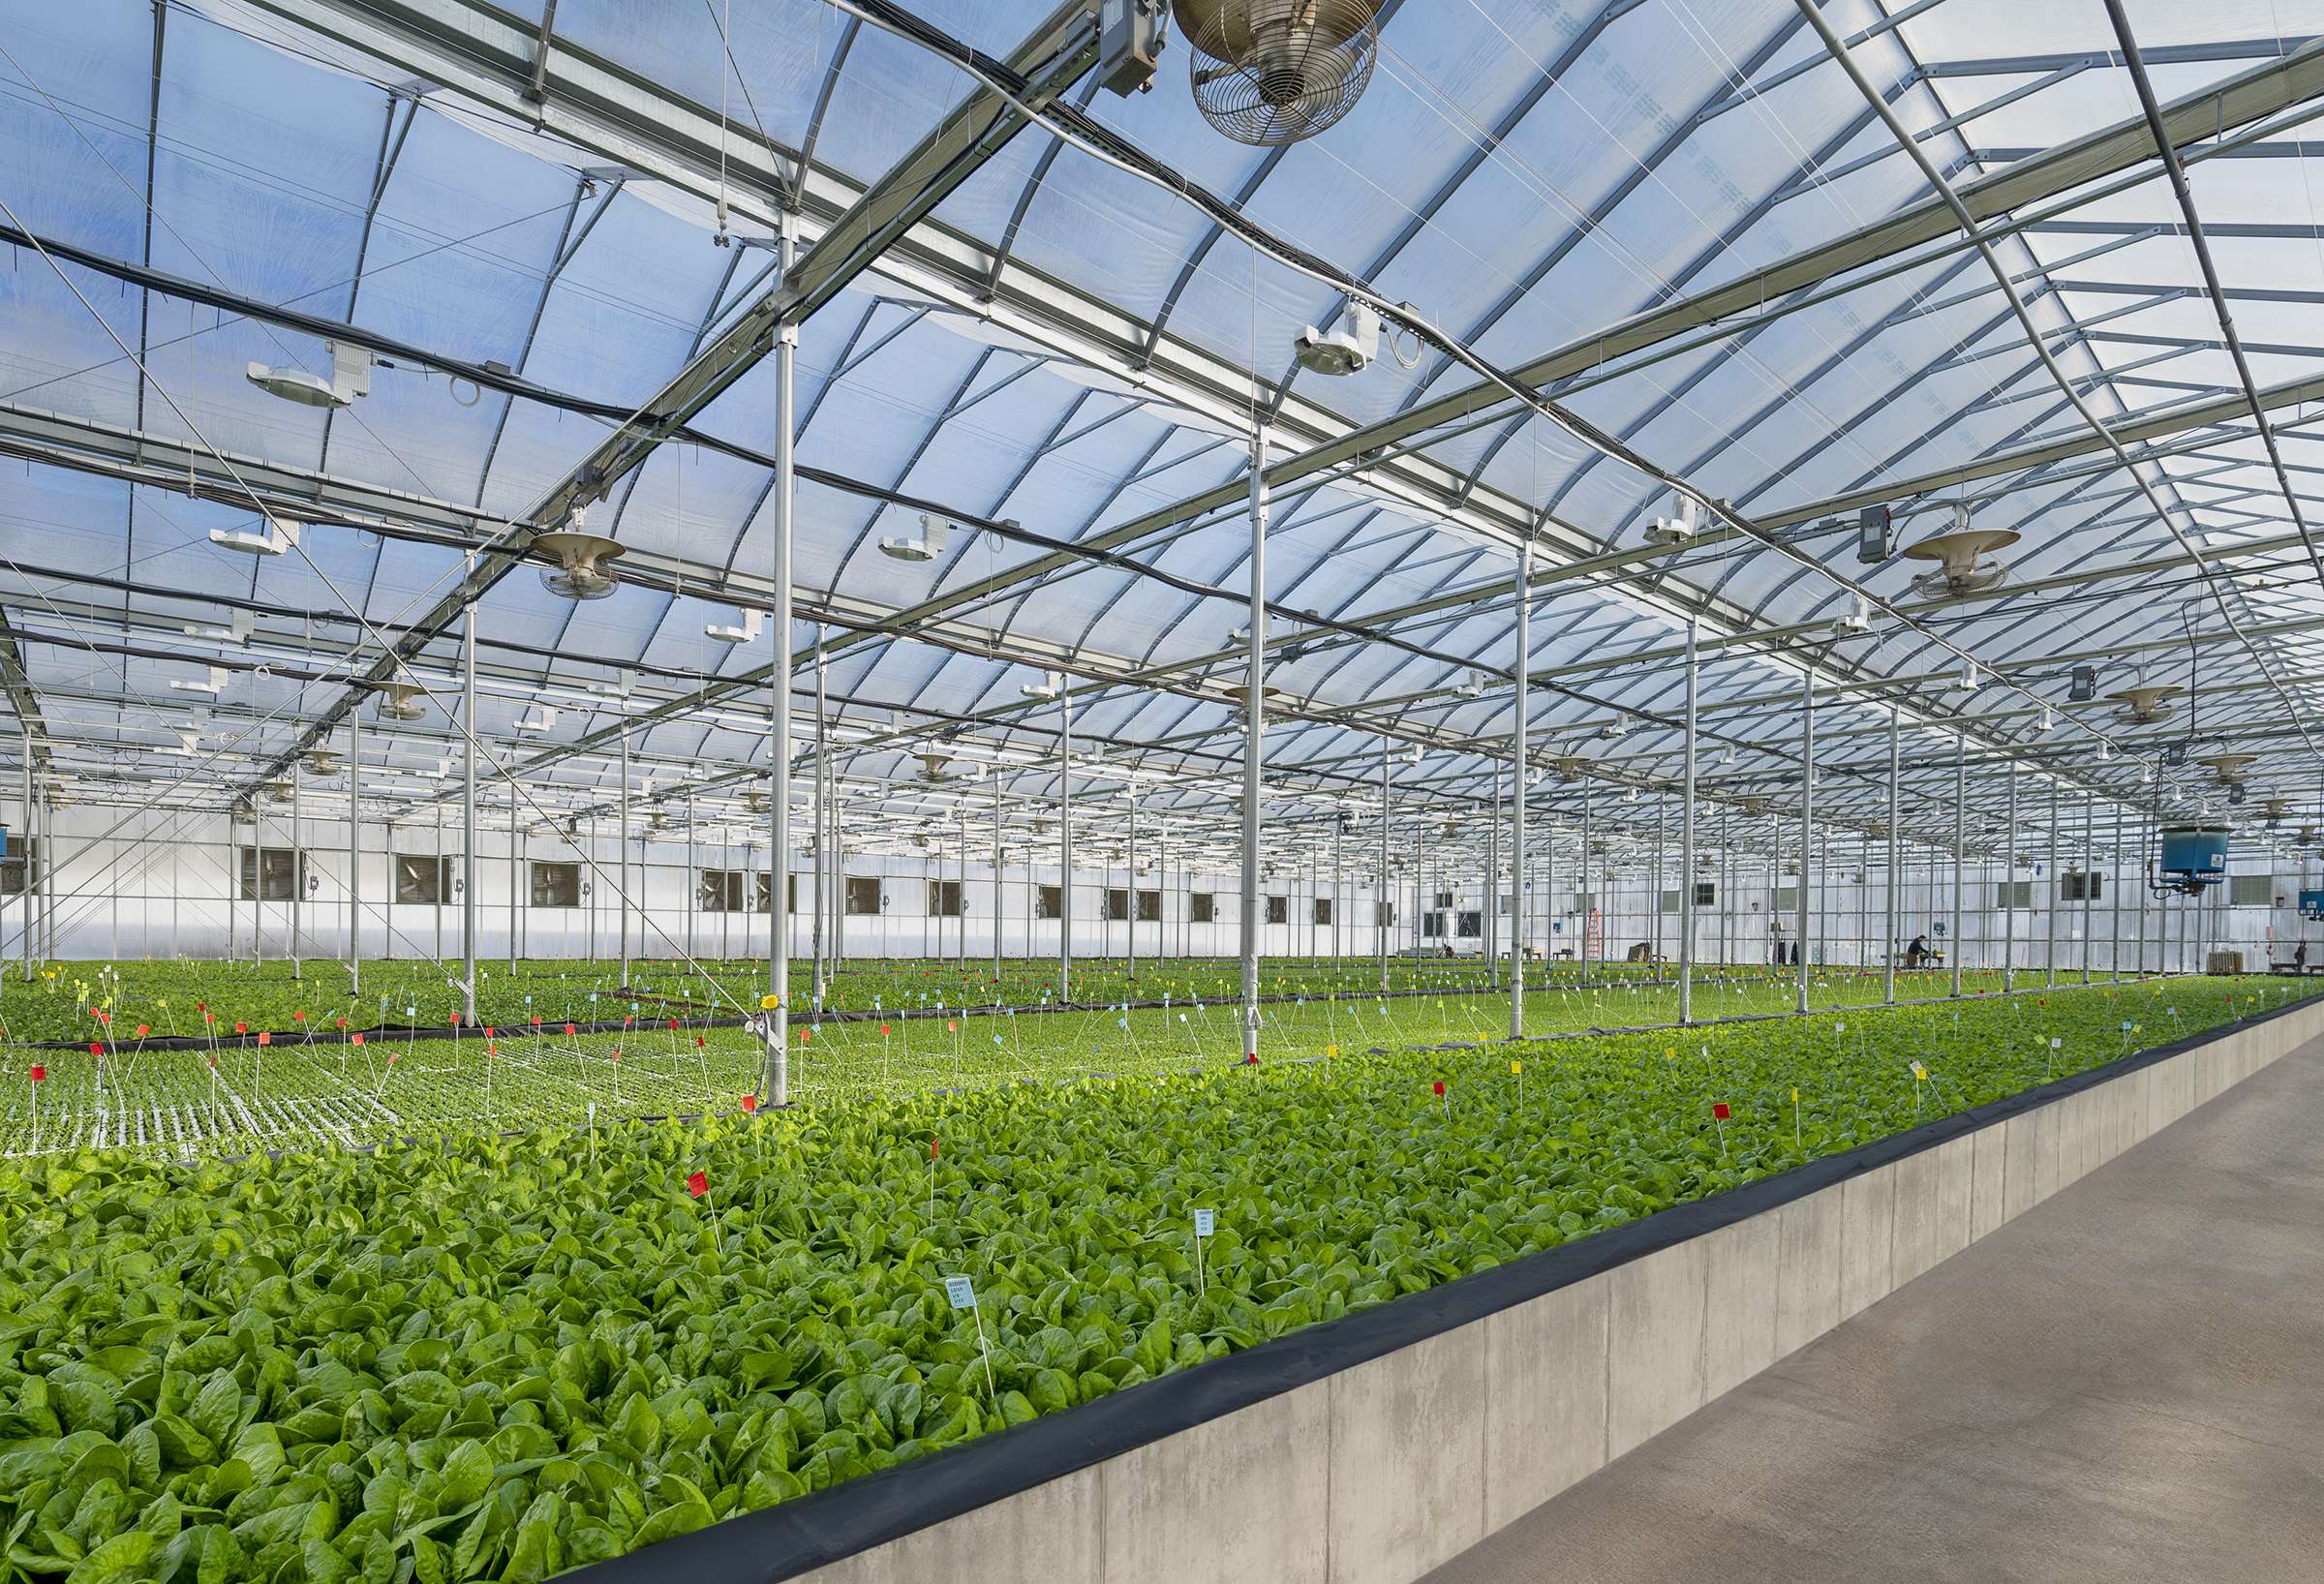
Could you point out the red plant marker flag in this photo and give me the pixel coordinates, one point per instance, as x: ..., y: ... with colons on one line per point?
x: 488, y: 1031
x: 805, y: 1035
x: 536, y: 1019
x: 1251, y: 1059
x: 884, y: 1031
x: 1720, y: 1111
x: 931, y: 1143
x: 697, y: 1042
x: 95, y: 1048
x: 40, y: 1074
x: 340, y: 1023
x: 265, y: 1038
x: 298, y: 1016
x: 749, y: 1103
x: 142, y: 1030
x: 241, y: 1028
x: 568, y: 1028
x: 357, y: 1036
x: 1438, y: 1088
x: 673, y: 1024
x: 209, y: 1016
x: 951, y: 1025
x: 698, y: 1184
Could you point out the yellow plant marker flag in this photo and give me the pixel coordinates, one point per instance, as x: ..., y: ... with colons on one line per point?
x: 768, y: 1002
x: 1515, y: 1067
x: 1795, y: 1097
x: 1330, y: 1049
x: 1918, y: 1071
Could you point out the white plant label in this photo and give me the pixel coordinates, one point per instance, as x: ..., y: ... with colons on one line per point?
x: 2057, y: 1044
x: 1203, y: 1221
x: 960, y: 1291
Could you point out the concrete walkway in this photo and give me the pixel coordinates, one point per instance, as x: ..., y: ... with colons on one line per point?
x: 2124, y: 1384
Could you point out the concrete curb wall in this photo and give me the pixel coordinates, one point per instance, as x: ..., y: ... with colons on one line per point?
x: 1380, y: 1472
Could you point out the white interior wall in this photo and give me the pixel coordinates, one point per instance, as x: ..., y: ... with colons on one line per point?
x: 159, y: 883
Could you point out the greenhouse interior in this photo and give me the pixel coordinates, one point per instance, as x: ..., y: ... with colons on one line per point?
x: 855, y: 789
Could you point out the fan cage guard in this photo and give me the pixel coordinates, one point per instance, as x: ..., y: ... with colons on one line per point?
x: 1273, y: 72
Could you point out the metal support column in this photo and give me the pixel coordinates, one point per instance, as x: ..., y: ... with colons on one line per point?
x: 468, y: 807
x: 820, y: 807
x: 1380, y: 911
x: 2049, y: 903
x: 1896, y: 873
x: 622, y: 847
x: 1254, y: 727
x: 2089, y: 874
x: 1806, y: 821
x: 2010, y: 890
x: 1516, y: 823
x: 1686, y: 844
x: 1584, y: 892
x: 298, y: 873
x: 1065, y: 847
x: 354, y: 851
x: 1960, y: 822
x: 997, y: 886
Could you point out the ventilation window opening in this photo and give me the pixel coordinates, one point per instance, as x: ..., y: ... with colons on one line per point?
x: 863, y: 896
x: 269, y: 874
x: 1471, y: 925
x: 2014, y: 895
x: 1279, y: 910
x: 1150, y: 907
x: 721, y: 891
x: 2251, y: 891
x: 556, y: 885
x: 422, y: 881
x: 944, y: 900
x: 1201, y: 908
x: 1323, y: 911
x: 1118, y: 904
x: 1049, y: 902
x: 1383, y: 913
x: 2074, y: 886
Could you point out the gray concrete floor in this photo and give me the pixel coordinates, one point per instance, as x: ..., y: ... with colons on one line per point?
x: 2124, y: 1384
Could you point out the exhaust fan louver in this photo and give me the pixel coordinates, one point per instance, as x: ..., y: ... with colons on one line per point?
x: 1959, y: 554
x: 1273, y: 72
x: 582, y: 559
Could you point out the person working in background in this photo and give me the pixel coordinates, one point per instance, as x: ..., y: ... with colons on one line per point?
x: 1918, y: 952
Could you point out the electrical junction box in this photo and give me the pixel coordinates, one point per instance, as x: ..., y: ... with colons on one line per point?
x: 1130, y: 36
x: 1872, y: 543
x: 2311, y: 902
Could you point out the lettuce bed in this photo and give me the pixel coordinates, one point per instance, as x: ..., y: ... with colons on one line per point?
x: 233, y: 1097
x: 491, y: 1358
x: 169, y: 997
